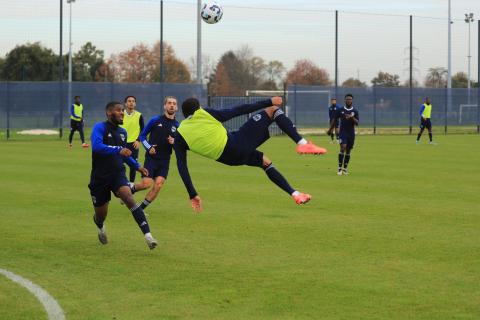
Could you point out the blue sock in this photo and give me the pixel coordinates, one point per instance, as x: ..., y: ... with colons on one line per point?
x: 430, y: 136
x: 144, y: 204
x: 140, y: 218
x: 286, y: 125
x: 277, y: 178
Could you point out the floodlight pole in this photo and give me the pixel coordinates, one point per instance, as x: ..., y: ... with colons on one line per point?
x: 60, y: 73
x: 336, y: 53
x: 161, y: 43
x: 199, y: 43
x: 478, y: 79
x: 411, y: 75
x: 469, y: 20
x: 70, y: 55
x: 449, y: 73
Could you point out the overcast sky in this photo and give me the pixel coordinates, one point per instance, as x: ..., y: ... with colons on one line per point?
x: 280, y: 30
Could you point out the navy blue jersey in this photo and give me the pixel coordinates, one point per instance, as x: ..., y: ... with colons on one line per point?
x: 347, y: 126
x: 331, y: 111
x: 158, y: 129
x: 107, y: 140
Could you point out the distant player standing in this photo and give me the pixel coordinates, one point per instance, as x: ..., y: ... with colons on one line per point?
x: 133, y: 123
x: 160, y: 131
x: 109, y: 152
x: 425, y: 122
x: 203, y: 133
x: 76, y: 121
x: 331, y: 114
x: 349, y: 118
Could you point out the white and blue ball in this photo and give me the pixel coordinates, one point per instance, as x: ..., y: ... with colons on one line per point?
x: 211, y: 12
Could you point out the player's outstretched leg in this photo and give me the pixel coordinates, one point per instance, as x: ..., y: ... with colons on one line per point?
x: 286, y: 125
x: 276, y: 177
x: 138, y: 214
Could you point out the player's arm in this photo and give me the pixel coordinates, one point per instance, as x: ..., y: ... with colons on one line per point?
x: 356, y: 118
x: 227, y: 114
x: 181, y: 147
x: 144, y: 134
x: 96, y: 140
x: 422, y: 108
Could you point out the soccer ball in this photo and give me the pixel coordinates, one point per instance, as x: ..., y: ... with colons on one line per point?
x: 211, y: 12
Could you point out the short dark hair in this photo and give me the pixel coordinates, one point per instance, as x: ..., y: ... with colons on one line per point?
x: 111, y: 104
x: 189, y: 106
x: 333, y: 99
x: 349, y: 95
x: 76, y: 97
x: 126, y: 98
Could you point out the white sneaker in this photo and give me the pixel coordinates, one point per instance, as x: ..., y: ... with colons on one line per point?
x: 340, y: 172
x: 151, y: 242
x: 102, y: 235
x: 433, y: 143
x: 345, y: 172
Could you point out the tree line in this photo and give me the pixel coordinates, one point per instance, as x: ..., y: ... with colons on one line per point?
x: 235, y: 72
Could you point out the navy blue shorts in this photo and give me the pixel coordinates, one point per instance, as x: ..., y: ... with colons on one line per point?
x: 242, y: 144
x: 100, y: 188
x: 347, y: 139
x: 425, y: 123
x: 156, y: 167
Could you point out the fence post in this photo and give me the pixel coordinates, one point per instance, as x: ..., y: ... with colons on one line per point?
x: 8, y: 110
x: 447, y: 96
x: 411, y: 74
x: 478, y: 81
x: 374, y: 109
x: 295, y: 104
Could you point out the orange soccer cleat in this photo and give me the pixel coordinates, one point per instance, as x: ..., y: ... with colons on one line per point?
x: 85, y: 145
x: 310, y: 148
x: 301, y: 198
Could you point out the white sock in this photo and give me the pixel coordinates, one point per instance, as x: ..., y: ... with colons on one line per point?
x: 148, y: 235
x: 295, y: 193
x: 303, y: 141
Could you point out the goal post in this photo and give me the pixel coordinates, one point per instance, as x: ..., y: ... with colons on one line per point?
x: 465, y: 110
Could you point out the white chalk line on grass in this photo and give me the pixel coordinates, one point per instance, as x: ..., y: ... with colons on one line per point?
x: 54, y: 311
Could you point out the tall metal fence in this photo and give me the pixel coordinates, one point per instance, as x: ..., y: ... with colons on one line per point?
x: 37, y: 105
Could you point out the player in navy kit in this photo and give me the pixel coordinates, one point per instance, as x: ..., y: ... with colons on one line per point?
x: 160, y: 131
x: 349, y: 118
x: 331, y: 114
x: 109, y: 152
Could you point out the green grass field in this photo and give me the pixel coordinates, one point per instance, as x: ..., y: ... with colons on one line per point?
x: 396, y: 239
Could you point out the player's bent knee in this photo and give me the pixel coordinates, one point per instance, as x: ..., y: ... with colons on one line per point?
x: 266, y: 162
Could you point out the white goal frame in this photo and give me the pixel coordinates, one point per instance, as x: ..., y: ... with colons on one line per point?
x: 270, y: 93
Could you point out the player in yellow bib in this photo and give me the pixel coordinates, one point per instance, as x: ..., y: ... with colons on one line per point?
x: 425, y: 122
x: 203, y: 133
x: 133, y: 123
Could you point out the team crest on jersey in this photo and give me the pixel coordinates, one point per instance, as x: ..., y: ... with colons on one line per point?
x: 174, y: 129
x: 122, y: 136
x: 257, y: 117
x: 109, y: 135
x: 160, y: 125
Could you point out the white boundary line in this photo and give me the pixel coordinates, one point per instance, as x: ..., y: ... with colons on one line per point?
x: 54, y: 311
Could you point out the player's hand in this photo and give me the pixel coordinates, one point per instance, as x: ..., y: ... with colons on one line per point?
x: 171, y: 140
x: 136, y: 144
x: 277, y: 101
x: 196, y: 204
x: 125, y: 152
x: 152, y: 150
x: 143, y: 171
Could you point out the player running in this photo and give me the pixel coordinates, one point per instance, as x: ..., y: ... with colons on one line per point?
x: 109, y: 152
x: 349, y: 118
x: 160, y: 131
x: 203, y: 133
x: 425, y: 122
